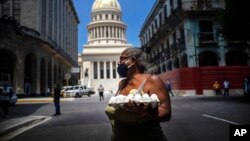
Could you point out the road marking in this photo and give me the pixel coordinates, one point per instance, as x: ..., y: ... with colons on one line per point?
x: 25, y: 128
x: 221, y: 119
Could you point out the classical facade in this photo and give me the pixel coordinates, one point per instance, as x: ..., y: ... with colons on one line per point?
x: 38, y: 43
x: 183, y: 38
x: 106, y: 41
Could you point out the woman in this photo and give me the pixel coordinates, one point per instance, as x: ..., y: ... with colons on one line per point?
x: 132, y: 66
x: 216, y: 87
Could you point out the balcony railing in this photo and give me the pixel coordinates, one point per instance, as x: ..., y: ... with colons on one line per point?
x: 201, y: 5
x: 207, y: 39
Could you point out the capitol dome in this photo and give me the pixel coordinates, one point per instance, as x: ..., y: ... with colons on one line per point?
x: 106, y: 4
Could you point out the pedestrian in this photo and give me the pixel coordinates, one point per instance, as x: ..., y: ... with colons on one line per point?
x: 226, y: 85
x: 246, y: 87
x: 216, y: 88
x: 57, y: 92
x: 169, y: 88
x: 135, y: 122
x: 5, y: 95
x: 48, y: 92
x: 27, y: 87
x: 101, y: 91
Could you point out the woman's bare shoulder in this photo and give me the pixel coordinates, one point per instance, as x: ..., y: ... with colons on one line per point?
x: 155, y: 78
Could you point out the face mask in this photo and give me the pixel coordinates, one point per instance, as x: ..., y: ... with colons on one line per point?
x: 122, y: 69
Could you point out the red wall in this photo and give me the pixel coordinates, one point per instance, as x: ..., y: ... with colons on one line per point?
x: 199, y: 78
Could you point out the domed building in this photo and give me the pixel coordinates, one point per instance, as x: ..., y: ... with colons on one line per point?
x: 106, y: 41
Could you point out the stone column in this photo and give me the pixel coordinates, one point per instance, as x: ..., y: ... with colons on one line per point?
x: 111, y: 69
x: 90, y: 34
x: 105, y: 29
x: 52, y: 72
x: 221, y: 51
x: 119, y: 32
x: 98, y: 70
x: 18, y: 77
x: 117, y: 75
x: 36, y: 78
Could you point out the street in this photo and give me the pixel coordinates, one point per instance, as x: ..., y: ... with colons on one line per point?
x: 195, y: 118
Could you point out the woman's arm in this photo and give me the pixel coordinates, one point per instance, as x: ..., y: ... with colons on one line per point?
x: 156, y: 86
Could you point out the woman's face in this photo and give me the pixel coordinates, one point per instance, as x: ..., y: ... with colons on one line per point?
x: 123, y: 58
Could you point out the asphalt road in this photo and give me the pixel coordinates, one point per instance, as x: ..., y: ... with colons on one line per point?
x: 195, y: 118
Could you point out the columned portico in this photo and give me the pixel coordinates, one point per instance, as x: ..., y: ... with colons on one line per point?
x: 106, y: 41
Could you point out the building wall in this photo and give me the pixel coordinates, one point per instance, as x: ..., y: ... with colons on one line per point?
x: 41, y: 53
x: 181, y: 35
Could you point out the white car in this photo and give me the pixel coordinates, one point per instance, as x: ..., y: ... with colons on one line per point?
x: 13, y: 98
x: 77, y: 91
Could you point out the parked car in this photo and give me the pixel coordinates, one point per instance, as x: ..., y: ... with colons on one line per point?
x: 13, y: 98
x: 63, y: 90
x: 77, y: 91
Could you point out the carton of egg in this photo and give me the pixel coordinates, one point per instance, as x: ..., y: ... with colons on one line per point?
x: 148, y: 100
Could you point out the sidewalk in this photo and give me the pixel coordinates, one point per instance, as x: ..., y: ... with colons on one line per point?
x: 15, y: 124
x: 41, y: 99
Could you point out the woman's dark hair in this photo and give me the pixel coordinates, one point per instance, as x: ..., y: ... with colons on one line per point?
x: 140, y: 58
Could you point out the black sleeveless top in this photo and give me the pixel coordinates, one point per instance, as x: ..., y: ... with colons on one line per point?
x: 148, y: 130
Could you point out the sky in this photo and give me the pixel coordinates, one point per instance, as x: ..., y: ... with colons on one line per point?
x: 134, y: 13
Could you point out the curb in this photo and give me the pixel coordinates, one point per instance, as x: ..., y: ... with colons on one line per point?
x: 49, y: 100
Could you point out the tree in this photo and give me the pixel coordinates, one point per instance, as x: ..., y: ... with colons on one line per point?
x: 235, y: 21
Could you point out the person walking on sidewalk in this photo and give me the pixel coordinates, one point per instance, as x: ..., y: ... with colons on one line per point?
x: 169, y: 88
x: 226, y: 85
x: 101, y: 90
x: 57, y: 92
x: 5, y: 95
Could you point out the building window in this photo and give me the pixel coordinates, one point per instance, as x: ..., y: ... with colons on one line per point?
x: 44, y: 15
x: 16, y: 10
x: 114, y: 69
x: 206, y: 31
x: 108, y: 70
x: 6, y: 8
x: 152, y: 30
x: 50, y: 19
x: 160, y: 18
x: 95, y: 70
x: 171, y: 4
x: 101, y: 70
x: 165, y: 12
x: 156, y: 24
